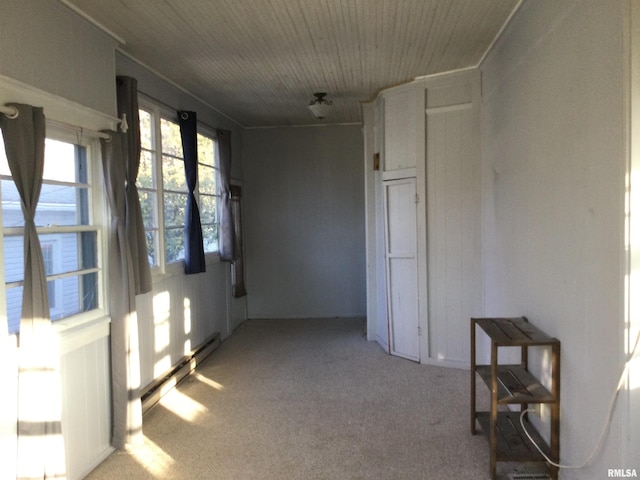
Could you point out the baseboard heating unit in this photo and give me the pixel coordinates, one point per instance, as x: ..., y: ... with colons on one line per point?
x: 156, y: 389
x: 529, y: 476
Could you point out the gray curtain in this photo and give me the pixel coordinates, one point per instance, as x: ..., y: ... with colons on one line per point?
x: 127, y: 94
x: 40, y: 442
x: 125, y: 356
x: 239, y: 289
x: 226, y: 242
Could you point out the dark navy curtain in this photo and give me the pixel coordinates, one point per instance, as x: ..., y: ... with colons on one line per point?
x: 193, y: 245
x: 225, y: 211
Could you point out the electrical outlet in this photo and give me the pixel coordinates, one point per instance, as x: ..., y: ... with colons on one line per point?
x: 537, y: 409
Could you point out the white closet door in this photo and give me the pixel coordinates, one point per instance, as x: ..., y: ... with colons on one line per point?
x: 402, y: 272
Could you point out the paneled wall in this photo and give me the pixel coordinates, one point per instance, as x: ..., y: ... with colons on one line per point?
x: 9, y: 410
x: 47, y: 46
x: 453, y: 178
x: 304, y: 198
x: 428, y: 130
x: 86, y: 398
x: 180, y: 313
x: 631, y: 397
x: 554, y: 203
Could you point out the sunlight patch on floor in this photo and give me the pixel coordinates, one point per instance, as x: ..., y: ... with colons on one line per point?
x: 152, y: 458
x: 182, y: 405
x: 208, y: 381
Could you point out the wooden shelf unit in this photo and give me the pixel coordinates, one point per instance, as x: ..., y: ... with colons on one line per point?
x: 515, y: 385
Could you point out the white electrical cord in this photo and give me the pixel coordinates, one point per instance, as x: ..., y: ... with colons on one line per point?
x: 607, y: 421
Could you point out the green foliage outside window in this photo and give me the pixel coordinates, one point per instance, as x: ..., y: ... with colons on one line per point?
x: 174, y: 188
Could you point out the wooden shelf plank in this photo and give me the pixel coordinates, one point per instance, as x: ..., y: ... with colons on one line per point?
x: 514, y: 332
x: 512, y: 442
x: 516, y: 385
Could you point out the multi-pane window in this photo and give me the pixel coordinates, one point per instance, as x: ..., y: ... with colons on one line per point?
x: 148, y: 186
x: 174, y: 190
x: 207, y: 192
x: 163, y: 187
x: 67, y: 233
x: 49, y: 252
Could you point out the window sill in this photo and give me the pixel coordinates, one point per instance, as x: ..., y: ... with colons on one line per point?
x: 177, y: 268
x: 80, y: 330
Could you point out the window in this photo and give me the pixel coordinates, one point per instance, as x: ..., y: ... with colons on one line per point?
x: 147, y: 186
x: 174, y: 190
x: 68, y: 234
x: 50, y: 255
x: 208, y: 192
x: 163, y: 187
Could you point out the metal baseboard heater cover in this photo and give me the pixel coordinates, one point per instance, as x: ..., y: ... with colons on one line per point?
x: 156, y: 389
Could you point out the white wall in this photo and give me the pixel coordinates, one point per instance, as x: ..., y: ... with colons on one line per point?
x: 375, y: 286
x: 373, y: 133
x: 632, y: 397
x: 429, y: 129
x: 44, y: 44
x: 453, y: 213
x: 86, y: 398
x: 304, y: 199
x: 179, y: 314
x: 554, y: 187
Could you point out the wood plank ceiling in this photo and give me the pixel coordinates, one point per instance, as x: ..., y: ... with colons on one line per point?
x: 259, y: 61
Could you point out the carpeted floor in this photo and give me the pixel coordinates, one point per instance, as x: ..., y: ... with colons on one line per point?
x: 306, y: 400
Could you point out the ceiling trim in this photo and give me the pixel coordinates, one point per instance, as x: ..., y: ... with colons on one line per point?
x: 500, y: 32
x: 175, y: 85
x: 93, y: 21
x: 345, y: 124
x: 439, y: 74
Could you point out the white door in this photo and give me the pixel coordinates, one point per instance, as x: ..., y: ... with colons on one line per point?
x: 401, y: 263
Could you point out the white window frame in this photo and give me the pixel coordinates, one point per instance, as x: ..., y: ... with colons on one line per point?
x: 210, y: 133
x: 157, y: 112
x: 156, y: 138
x: 97, y: 224
x: 54, y: 247
x: 162, y: 152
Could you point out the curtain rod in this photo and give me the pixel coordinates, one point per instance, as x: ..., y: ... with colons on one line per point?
x: 9, y: 111
x: 81, y: 130
x: 12, y: 112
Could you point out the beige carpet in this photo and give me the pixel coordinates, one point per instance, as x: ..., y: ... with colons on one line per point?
x: 308, y: 399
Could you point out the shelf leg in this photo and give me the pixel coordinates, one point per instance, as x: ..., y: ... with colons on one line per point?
x: 555, y: 409
x: 473, y: 377
x: 493, y: 422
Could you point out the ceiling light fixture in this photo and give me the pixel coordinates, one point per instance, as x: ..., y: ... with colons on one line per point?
x: 319, y: 106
